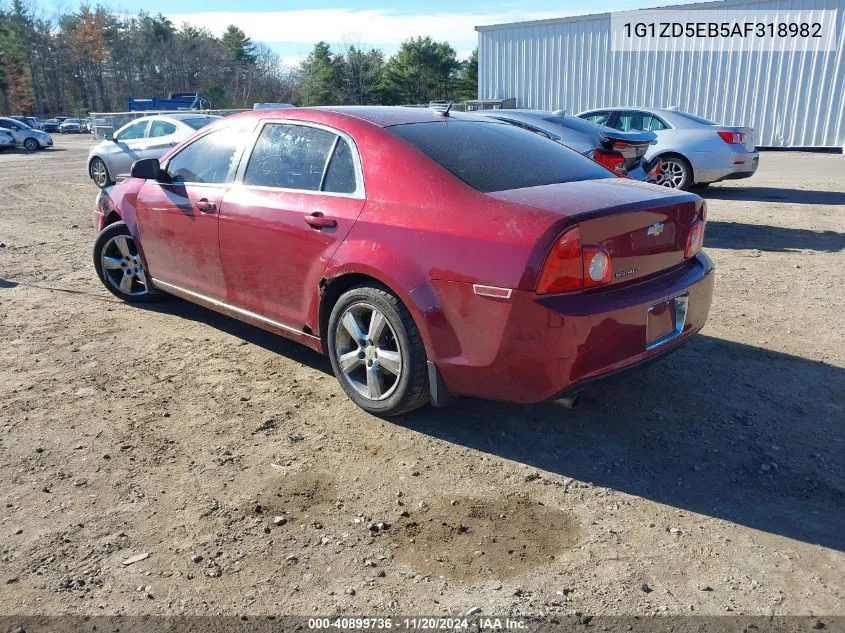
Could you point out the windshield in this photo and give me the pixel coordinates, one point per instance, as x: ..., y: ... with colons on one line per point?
x: 198, y: 122
x: 495, y: 157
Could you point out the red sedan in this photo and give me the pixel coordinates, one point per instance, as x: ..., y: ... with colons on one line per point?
x: 428, y: 255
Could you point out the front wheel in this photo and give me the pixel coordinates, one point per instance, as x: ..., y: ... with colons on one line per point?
x: 119, y: 265
x: 30, y: 144
x: 377, y: 352
x: 675, y: 173
x: 99, y: 173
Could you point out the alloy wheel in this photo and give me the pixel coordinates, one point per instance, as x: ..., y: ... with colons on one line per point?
x: 672, y: 174
x: 30, y: 144
x: 368, y: 351
x: 123, y: 268
x: 99, y: 173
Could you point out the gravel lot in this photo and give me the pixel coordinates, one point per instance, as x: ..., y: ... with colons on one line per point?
x: 712, y: 481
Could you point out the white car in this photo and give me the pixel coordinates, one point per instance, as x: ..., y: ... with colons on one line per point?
x: 25, y: 135
x: 148, y: 137
x: 692, y: 150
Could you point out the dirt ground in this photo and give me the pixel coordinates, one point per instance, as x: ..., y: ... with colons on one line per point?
x: 711, y: 482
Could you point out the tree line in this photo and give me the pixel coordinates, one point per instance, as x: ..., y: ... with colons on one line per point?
x: 93, y: 59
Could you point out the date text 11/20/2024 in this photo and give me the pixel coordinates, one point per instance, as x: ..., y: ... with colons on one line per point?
x: 485, y: 623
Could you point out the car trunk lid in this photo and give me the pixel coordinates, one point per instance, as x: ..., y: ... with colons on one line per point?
x: 632, y: 145
x: 643, y: 227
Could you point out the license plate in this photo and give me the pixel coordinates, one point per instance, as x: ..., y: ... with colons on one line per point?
x: 665, y: 320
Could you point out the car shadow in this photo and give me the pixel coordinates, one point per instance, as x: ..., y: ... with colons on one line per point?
x: 726, y: 430
x: 773, y: 194
x: 7, y: 283
x: 244, y: 331
x: 731, y: 431
x: 763, y: 237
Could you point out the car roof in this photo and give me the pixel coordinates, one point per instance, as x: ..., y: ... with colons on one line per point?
x: 181, y: 116
x: 383, y: 116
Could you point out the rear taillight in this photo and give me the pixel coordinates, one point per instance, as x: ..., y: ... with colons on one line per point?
x: 734, y: 138
x: 571, y: 266
x: 695, y: 239
x: 614, y: 161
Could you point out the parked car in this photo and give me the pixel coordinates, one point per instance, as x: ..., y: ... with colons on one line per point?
x: 51, y: 125
x: 72, y: 126
x: 25, y: 135
x: 427, y: 255
x: 147, y: 137
x: 7, y: 140
x: 31, y: 121
x: 621, y: 152
x: 693, y: 151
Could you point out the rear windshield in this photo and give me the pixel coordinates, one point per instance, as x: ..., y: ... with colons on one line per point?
x: 697, y: 119
x: 198, y: 122
x: 498, y: 157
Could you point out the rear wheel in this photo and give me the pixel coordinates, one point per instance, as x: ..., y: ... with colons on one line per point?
x: 119, y: 265
x: 99, y: 173
x: 675, y: 173
x: 30, y: 144
x: 377, y: 352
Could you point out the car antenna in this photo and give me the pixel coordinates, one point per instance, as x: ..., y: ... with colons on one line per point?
x: 441, y: 107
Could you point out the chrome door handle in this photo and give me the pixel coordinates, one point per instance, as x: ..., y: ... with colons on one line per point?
x: 206, y: 206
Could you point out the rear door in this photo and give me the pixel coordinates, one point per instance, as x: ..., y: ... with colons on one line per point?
x: 161, y: 136
x: 295, y: 199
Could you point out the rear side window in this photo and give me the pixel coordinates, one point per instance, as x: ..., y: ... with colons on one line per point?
x: 206, y: 160
x: 161, y: 128
x: 299, y: 157
x: 497, y: 157
x: 340, y: 174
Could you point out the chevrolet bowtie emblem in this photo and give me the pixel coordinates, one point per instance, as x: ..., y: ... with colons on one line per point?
x: 655, y: 229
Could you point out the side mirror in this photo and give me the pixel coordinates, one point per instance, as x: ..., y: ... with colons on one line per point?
x: 148, y: 169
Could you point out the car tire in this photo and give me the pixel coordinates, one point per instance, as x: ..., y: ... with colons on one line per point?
x: 675, y: 173
x: 119, y: 266
x: 30, y: 144
x: 99, y: 173
x: 381, y: 366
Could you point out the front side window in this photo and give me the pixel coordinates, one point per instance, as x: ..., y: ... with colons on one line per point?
x: 598, y: 117
x: 134, y: 131
x: 208, y: 159
x: 496, y: 157
x: 290, y: 157
x: 161, y: 128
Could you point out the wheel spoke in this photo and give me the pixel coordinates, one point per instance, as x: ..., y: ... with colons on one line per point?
x: 142, y: 277
x: 390, y: 360
x: 374, y: 382
x: 377, y: 323
x: 111, y: 263
x: 354, y: 329
x: 126, y: 284
x: 122, y: 245
x: 349, y: 361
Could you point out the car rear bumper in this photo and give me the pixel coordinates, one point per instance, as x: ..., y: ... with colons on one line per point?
x: 530, y: 349
x: 728, y: 164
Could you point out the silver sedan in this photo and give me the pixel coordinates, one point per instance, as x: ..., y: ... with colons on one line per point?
x: 692, y: 150
x: 147, y: 137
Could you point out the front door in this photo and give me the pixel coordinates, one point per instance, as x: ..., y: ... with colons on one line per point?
x: 128, y: 144
x: 178, y: 220
x: 294, y: 201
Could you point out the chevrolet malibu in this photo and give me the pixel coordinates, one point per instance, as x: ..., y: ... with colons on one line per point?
x: 428, y: 255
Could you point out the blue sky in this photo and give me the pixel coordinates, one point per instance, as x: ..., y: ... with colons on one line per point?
x: 292, y: 28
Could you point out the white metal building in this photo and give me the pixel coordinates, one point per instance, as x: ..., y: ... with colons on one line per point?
x: 790, y: 99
